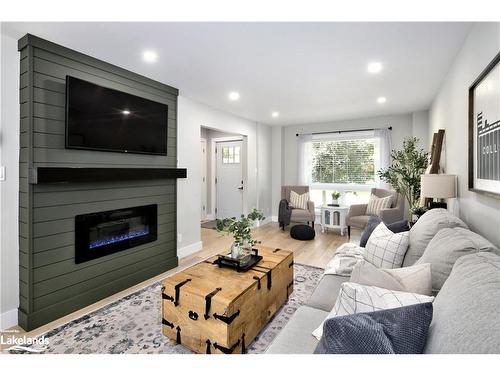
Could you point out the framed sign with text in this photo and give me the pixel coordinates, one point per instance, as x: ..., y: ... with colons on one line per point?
x: 484, y: 131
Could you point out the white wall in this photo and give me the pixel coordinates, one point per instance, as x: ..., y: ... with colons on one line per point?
x: 264, y: 170
x: 9, y: 189
x: 191, y: 116
x: 420, y: 128
x: 449, y: 111
x: 277, y: 168
x: 401, y: 128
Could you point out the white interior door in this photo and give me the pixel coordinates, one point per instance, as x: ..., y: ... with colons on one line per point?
x: 203, y: 179
x: 229, y: 179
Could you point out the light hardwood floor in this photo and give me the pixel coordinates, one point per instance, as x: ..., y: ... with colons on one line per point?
x: 314, y: 253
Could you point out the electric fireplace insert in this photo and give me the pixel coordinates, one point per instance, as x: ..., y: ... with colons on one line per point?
x: 103, y: 233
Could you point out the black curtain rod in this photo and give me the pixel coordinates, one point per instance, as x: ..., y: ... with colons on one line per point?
x: 345, y: 131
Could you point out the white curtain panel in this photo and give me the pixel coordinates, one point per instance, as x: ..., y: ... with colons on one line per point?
x: 384, y: 142
x: 304, y: 155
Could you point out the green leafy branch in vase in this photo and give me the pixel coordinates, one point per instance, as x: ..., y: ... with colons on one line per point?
x: 240, y: 229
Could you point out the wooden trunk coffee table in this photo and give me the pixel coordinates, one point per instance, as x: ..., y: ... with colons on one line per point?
x: 210, y: 309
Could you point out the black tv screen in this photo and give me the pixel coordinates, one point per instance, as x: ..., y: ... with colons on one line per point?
x: 100, y: 118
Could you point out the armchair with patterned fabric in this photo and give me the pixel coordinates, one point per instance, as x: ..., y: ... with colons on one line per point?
x: 288, y: 213
x: 358, y: 218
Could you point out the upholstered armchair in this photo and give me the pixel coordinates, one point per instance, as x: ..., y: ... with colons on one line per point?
x: 358, y: 218
x: 297, y: 214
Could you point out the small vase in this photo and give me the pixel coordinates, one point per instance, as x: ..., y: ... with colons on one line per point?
x: 335, y: 201
x: 236, y: 250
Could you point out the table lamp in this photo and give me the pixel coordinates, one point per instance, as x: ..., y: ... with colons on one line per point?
x: 438, y: 186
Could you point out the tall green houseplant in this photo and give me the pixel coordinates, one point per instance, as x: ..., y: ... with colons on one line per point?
x: 407, y: 165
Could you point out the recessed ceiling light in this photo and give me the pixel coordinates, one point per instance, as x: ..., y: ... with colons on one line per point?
x: 381, y: 99
x: 233, y: 95
x: 150, y: 56
x: 275, y: 114
x: 126, y: 112
x: 374, y: 67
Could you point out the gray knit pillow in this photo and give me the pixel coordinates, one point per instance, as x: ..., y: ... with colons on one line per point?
x: 396, y: 331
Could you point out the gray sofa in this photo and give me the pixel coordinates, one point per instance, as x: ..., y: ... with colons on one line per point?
x: 466, y: 318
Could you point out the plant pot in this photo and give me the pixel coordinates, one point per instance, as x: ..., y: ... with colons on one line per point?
x: 236, y: 250
x: 335, y: 201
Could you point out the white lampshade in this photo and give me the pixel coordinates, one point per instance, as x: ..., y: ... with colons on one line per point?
x: 438, y: 186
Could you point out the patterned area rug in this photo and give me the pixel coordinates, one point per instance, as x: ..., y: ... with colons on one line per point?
x: 133, y: 323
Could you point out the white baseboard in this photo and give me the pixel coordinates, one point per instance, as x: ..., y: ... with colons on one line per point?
x: 209, y: 217
x: 189, y: 249
x: 274, y: 219
x: 8, y: 319
x: 260, y: 223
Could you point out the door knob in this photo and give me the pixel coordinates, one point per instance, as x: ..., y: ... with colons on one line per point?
x: 240, y: 188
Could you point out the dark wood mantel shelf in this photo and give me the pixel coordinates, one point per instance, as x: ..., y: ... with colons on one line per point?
x: 49, y: 175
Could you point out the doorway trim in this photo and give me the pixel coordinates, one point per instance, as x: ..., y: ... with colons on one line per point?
x: 213, y: 169
x: 204, y: 168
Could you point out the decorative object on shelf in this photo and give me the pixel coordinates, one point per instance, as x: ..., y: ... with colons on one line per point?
x: 484, y: 131
x: 438, y: 186
x: 335, y: 198
x: 240, y: 264
x: 241, y: 229
x: 407, y: 165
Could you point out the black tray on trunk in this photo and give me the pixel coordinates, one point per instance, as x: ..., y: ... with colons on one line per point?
x: 242, y: 264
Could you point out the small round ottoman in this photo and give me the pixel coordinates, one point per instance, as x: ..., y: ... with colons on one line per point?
x: 302, y: 232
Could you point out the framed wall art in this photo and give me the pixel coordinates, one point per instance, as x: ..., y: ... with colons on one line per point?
x: 484, y: 131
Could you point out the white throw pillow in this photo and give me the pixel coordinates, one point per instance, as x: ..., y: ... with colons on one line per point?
x: 375, y: 204
x: 386, y: 249
x: 413, y: 279
x: 356, y: 298
x: 299, y: 200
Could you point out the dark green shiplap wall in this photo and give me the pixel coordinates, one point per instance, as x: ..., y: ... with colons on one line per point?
x: 51, y: 284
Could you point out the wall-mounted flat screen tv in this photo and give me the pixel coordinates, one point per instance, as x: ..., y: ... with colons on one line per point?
x: 103, y: 119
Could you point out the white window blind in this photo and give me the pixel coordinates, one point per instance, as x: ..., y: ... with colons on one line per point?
x: 343, y: 161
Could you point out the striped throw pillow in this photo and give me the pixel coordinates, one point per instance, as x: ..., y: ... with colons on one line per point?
x: 299, y: 200
x: 375, y: 204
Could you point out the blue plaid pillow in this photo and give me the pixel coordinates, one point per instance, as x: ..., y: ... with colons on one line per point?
x: 394, y: 331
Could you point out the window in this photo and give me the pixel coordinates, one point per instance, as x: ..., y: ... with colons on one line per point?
x: 231, y: 155
x: 343, y: 161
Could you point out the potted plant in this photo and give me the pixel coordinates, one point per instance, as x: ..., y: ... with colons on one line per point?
x: 416, y: 212
x: 407, y: 165
x: 335, y: 197
x: 241, y: 230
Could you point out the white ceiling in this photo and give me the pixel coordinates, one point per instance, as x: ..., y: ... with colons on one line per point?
x: 309, y: 72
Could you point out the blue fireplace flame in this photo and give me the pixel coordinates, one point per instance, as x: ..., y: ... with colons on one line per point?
x: 122, y: 237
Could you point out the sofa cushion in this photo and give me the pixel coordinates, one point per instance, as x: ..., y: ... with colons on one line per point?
x: 413, y: 279
x: 325, y: 294
x: 466, y: 310
x: 301, y: 215
x: 359, y: 221
x: 386, y: 249
x: 446, y: 247
x: 401, y: 330
x: 355, y: 298
x: 299, y: 200
x: 296, y: 337
x: 425, y: 229
x: 375, y: 204
x: 374, y: 221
